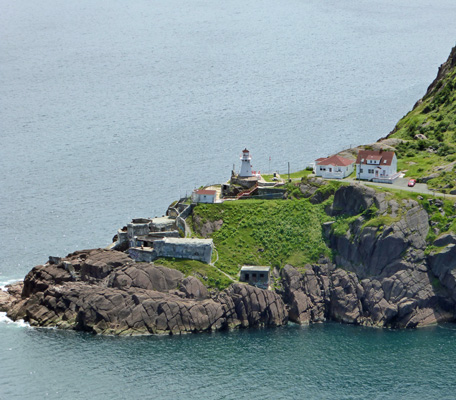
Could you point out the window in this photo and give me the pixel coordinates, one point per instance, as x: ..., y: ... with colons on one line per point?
x: 360, y: 170
x: 370, y: 171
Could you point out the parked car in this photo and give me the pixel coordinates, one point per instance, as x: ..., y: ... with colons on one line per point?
x: 412, y: 182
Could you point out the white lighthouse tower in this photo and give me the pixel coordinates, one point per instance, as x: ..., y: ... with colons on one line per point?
x: 246, y: 168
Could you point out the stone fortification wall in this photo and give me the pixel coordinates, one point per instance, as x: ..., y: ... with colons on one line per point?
x: 194, y: 249
x: 138, y: 229
x: 162, y: 224
x: 142, y: 255
x: 244, y: 182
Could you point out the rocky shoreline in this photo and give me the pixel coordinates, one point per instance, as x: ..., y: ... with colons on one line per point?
x: 105, y: 292
x: 380, y: 276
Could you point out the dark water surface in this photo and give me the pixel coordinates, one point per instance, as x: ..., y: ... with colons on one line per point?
x: 110, y: 110
x: 320, y: 361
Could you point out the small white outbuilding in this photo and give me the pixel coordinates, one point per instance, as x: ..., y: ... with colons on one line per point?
x: 204, y: 196
x: 334, y: 167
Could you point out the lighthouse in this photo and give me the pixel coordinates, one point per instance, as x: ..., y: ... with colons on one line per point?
x: 246, y: 168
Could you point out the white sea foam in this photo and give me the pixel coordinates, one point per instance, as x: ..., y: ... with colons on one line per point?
x: 20, y: 323
x: 3, y: 284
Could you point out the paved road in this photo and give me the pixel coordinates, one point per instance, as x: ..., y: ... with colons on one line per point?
x: 399, y: 183
x: 402, y: 184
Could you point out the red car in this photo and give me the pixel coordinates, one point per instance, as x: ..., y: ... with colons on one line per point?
x: 412, y: 182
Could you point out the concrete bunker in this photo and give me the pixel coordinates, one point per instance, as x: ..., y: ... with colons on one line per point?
x: 255, y: 275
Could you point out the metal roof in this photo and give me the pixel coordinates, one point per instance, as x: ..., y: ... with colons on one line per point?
x: 255, y: 268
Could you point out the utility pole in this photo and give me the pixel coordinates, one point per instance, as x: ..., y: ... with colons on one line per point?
x: 288, y: 171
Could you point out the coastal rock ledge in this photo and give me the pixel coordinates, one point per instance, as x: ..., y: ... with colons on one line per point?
x: 382, y: 274
x: 386, y: 270
x: 105, y: 292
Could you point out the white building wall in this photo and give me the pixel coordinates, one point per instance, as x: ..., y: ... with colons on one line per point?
x: 203, y: 198
x: 246, y: 168
x: 371, y: 171
x: 333, y: 172
x: 206, y: 198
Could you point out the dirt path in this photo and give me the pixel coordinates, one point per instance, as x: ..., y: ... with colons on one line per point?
x: 212, y: 264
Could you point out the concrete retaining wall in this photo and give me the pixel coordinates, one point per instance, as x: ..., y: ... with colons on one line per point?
x: 193, y: 249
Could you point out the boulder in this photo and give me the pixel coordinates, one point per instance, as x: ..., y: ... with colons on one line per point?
x: 352, y: 200
x: 103, y: 292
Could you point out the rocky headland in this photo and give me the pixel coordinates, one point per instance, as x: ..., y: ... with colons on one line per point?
x: 388, y: 259
x: 382, y: 274
x: 104, y: 291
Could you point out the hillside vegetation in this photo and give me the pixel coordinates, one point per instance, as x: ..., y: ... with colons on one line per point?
x: 264, y: 232
x: 428, y: 133
x: 277, y: 232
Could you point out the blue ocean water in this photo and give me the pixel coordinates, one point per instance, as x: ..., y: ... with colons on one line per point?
x: 110, y: 110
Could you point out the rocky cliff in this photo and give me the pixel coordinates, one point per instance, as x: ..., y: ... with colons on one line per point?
x: 392, y: 259
x: 381, y: 273
x: 103, y: 291
x: 390, y: 267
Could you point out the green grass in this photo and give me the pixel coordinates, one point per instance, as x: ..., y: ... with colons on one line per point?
x: 445, y: 222
x: 266, y: 232
x: 342, y: 224
x: 293, y: 175
x: 435, y: 118
x: 204, y: 272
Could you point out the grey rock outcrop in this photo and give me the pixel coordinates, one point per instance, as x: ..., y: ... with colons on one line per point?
x: 309, y: 188
x: 103, y: 291
x: 381, y: 275
x: 206, y: 228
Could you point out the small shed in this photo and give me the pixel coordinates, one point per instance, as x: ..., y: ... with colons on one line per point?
x: 255, y: 275
x: 204, y: 196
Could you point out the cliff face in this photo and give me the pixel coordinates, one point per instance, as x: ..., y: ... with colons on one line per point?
x: 424, y: 139
x: 381, y: 274
x: 392, y: 263
x: 103, y: 291
x: 391, y: 266
x: 445, y: 71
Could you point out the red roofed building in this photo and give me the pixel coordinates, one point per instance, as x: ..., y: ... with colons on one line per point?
x: 334, y: 167
x: 204, y: 196
x: 377, y: 166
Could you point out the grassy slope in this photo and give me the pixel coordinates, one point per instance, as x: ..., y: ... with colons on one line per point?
x: 207, y: 274
x: 293, y: 175
x: 276, y: 232
x: 266, y: 232
x: 435, y: 118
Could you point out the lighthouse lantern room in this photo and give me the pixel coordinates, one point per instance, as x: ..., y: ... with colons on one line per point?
x: 246, y: 168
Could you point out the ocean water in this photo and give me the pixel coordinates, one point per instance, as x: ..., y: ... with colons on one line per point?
x: 110, y: 110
